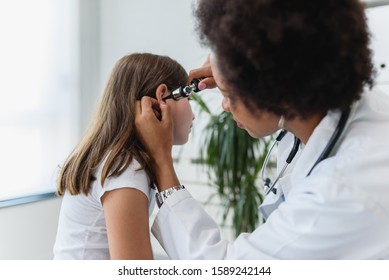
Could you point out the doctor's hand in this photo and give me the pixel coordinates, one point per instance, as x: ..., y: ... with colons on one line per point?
x: 154, y: 127
x: 204, y: 73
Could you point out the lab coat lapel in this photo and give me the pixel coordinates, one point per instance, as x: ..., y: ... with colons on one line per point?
x: 301, y: 164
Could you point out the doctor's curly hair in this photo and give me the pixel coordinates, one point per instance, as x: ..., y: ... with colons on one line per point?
x: 290, y: 57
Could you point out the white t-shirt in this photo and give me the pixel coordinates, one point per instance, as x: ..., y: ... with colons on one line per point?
x: 82, y: 232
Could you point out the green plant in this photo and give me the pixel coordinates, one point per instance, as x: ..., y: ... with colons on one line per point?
x: 233, y: 160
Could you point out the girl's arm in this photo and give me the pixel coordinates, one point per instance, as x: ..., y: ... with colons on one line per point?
x: 127, y: 219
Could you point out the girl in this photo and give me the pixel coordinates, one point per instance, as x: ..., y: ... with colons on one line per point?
x: 107, y: 181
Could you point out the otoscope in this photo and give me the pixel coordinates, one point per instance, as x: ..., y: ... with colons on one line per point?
x: 184, y: 91
x: 180, y: 93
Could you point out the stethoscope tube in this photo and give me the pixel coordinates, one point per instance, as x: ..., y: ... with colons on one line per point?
x: 326, y: 152
x: 333, y: 140
x: 289, y: 159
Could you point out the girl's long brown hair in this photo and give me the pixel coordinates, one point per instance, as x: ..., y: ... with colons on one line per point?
x: 112, y: 133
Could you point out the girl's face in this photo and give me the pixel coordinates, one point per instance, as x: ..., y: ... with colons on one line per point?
x: 256, y: 122
x: 182, y: 120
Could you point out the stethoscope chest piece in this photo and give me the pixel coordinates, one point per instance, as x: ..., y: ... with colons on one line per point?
x: 271, y: 203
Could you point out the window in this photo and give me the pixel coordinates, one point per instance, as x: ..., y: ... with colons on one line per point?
x: 38, y: 91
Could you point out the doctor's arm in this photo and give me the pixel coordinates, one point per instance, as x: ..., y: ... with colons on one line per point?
x: 149, y: 128
x: 177, y: 239
x: 187, y: 234
x: 296, y: 230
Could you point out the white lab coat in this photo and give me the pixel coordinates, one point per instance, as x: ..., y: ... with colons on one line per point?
x: 341, y: 211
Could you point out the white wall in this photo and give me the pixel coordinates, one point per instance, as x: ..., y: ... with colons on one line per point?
x: 28, y: 230
x: 378, y: 19
x: 111, y: 29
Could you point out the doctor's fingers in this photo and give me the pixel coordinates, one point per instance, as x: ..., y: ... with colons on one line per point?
x: 207, y: 80
x: 166, y: 114
x: 148, y: 111
x: 146, y: 107
x: 145, y: 122
x: 204, y: 73
x: 150, y: 127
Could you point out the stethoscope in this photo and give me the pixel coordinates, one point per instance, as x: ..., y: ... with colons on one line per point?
x: 326, y: 152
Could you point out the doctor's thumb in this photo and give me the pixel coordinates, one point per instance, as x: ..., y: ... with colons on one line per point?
x: 166, y: 116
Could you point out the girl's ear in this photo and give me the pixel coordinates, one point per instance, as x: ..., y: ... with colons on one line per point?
x: 161, y: 92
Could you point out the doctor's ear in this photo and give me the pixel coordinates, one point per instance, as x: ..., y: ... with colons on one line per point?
x: 161, y: 92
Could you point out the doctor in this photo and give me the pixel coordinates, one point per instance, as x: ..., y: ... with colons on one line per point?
x: 305, y: 67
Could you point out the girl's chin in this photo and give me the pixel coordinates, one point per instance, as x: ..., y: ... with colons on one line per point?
x: 182, y: 141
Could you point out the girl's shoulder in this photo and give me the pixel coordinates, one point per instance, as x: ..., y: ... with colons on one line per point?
x: 133, y: 176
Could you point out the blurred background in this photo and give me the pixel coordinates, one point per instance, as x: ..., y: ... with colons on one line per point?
x: 55, y: 58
